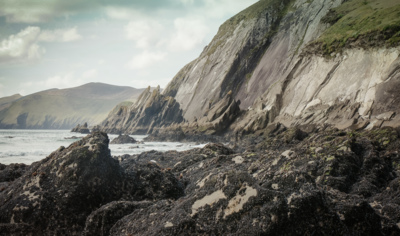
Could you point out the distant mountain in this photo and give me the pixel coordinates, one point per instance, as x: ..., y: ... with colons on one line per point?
x: 63, y: 108
x: 5, y: 102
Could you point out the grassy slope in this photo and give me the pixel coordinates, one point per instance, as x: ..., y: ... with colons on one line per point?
x: 90, y: 103
x: 371, y: 22
x: 5, y: 102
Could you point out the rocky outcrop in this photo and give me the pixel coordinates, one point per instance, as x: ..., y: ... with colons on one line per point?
x: 83, y: 129
x: 122, y: 139
x: 327, y: 182
x: 11, y: 172
x: 152, y: 111
x: 56, y: 195
x: 291, y: 181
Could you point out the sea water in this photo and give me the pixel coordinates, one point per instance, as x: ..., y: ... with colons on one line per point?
x: 27, y: 146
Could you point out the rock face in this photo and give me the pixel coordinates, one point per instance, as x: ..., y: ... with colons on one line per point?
x: 122, y: 139
x: 83, y: 129
x: 152, y: 111
x: 330, y: 183
x: 272, y: 61
x: 295, y: 181
x: 56, y: 195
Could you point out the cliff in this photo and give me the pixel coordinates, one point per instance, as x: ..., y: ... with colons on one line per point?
x: 295, y: 63
x: 152, y: 110
x: 64, y: 108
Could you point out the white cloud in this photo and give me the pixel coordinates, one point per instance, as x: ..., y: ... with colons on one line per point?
x: 90, y: 74
x: 28, y: 11
x: 61, y: 81
x: 145, y: 59
x: 120, y: 13
x: 60, y: 35
x: 189, y: 33
x: 22, y: 46
x: 145, y: 33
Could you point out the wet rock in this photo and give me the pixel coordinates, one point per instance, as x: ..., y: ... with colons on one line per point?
x: 100, y: 221
x: 123, y: 139
x: 55, y: 195
x: 11, y: 172
x: 300, y: 189
x: 83, y: 129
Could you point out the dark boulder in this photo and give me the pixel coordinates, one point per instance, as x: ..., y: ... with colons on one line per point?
x: 122, y: 139
x: 11, y: 172
x: 57, y: 194
x: 81, y: 129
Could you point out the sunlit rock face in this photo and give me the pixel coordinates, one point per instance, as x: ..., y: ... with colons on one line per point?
x: 152, y: 111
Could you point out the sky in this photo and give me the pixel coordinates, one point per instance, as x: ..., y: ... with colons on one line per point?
x: 48, y: 44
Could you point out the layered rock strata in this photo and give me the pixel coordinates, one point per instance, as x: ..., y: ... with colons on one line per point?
x: 152, y: 111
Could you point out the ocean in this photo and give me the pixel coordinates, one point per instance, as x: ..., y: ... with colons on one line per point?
x: 27, y: 146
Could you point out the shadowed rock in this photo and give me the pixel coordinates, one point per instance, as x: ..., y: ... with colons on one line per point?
x: 122, y: 139
x: 55, y: 195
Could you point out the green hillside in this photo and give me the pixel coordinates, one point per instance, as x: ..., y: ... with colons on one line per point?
x: 362, y: 23
x: 5, y: 102
x: 63, y: 109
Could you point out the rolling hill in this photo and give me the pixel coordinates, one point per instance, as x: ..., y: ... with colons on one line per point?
x: 63, y: 108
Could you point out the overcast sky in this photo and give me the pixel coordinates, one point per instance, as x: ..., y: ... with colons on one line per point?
x: 65, y: 43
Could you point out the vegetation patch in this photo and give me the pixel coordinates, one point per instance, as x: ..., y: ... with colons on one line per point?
x: 360, y: 24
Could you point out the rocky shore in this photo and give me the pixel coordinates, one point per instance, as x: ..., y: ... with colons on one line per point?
x: 282, y: 181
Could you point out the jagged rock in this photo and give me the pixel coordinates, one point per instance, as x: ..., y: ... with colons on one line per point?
x: 267, y: 193
x: 152, y: 111
x: 11, y: 172
x: 96, y: 128
x: 100, y: 221
x: 122, y: 139
x: 56, y: 195
x: 81, y: 129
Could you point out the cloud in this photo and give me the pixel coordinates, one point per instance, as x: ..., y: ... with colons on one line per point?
x: 37, y: 11
x: 188, y: 34
x: 89, y: 74
x: 60, y: 35
x: 22, y: 46
x: 145, y: 59
x: 145, y: 33
x: 28, y: 11
x: 121, y: 13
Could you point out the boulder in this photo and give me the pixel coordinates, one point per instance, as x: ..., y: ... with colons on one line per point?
x: 56, y: 195
x: 122, y: 139
x: 9, y: 173
x: 81, y: 129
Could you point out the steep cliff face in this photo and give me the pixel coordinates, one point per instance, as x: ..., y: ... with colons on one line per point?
x: 351, y: 87
x: 227, y: 61
x: 296, y: 62
x: 151, y: 111
x: 320, y: 61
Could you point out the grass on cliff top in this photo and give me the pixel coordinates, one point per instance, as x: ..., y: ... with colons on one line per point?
x: 358, y: 18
